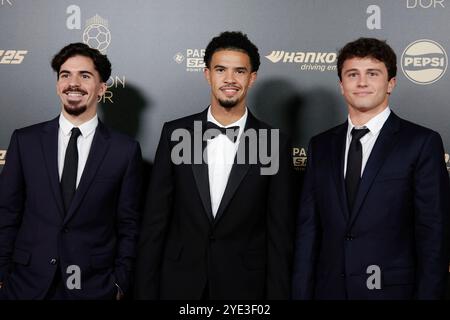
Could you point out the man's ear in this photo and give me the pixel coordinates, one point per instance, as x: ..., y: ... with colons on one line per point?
x: 207, y: 75
x: 102, y: 89
x: 391, y: 85
x: 342, y: 87
x: 253, y: 77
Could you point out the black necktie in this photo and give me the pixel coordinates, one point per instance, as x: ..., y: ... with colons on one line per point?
x: 230, y: 132
x: 354, y: 162
x: 69, y: 175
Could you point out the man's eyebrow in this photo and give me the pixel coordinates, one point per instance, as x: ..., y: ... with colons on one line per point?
x: 374, y: 69
x: 350, y: 70
x: 82, y: 71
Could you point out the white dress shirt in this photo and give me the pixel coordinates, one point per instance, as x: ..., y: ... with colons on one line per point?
x: 367, y: 141
x: 221, y: 152
x: 83, y: 143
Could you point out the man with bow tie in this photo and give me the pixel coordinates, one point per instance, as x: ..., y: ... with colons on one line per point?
x: 216, y: 227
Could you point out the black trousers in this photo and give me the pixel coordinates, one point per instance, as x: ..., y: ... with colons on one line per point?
x: 448, y: 288
x: 205, y: 294
x: 57, y: 290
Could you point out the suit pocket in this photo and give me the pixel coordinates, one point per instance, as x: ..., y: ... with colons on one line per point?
x: 21, y: 256
x: 102, y: 261
x: 254, y: 259
x: 104, y: 180
x: 398, y: 276
x: 392, y: 176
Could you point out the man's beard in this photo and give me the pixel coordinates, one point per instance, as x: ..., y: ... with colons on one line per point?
x: 228, y: 104
x: 75, y: 111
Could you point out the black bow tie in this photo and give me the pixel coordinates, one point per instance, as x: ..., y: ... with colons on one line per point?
x: 230, y: 132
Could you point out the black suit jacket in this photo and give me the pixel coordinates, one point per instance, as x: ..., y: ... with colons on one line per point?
x: 399, y: 222
x: 245, y: 252
x: 98, y: 233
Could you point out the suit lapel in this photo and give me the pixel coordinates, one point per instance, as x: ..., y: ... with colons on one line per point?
x: 49, y: 144
x: 99, y: 147
x: 383, y: 146
x: 238, y: 171
x: 200, y: 170
x: 337, y: 161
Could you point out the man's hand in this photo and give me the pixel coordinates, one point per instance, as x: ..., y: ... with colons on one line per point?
x: 1, y: 284
x: 119, y: 295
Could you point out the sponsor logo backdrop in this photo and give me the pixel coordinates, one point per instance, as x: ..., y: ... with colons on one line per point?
x: 156, y: 48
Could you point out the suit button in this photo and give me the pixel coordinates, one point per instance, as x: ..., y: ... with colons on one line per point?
x: 53, y: 261
x: 343, y: 275
x: 65, y: 230
x: 212, y: 238
x: 349, y: 237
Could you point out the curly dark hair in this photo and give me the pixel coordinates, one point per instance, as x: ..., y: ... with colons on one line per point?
x: 233, y: 40
x: 101, y: 62
x: 368, y: 47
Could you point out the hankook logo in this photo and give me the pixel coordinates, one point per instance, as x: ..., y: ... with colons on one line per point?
x: 307, y: 61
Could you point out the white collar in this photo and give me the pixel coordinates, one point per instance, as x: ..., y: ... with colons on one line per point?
x: 374, y: 125
x: 240, y: 122
x: 86, y: 128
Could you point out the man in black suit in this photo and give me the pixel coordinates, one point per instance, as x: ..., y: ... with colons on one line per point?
x: 219, y: 225
x: 374, y: 211
x: 69, y: 195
